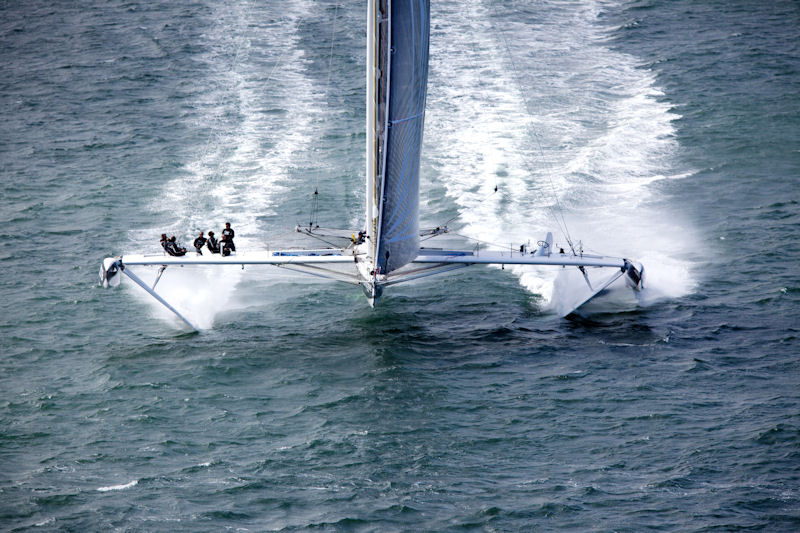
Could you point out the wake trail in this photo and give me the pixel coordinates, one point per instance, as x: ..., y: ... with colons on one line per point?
x: 256, y: 107
x: 565, y: 120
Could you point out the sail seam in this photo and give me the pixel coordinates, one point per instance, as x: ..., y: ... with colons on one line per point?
x: 399, y: 120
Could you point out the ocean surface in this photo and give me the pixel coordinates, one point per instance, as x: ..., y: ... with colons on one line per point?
x: 663, y: 130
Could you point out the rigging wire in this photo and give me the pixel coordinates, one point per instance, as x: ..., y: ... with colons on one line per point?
x: 333, y: 244
x: 479, y: 203
x: 208, y: 170
x: 488, y: 243
x: 214, y: 132
x: 330, y: 54
x: 232, y: 70
x: 558, y: 213
x: 317, y: 237
x: 313, y: 221
x: 475, y: 54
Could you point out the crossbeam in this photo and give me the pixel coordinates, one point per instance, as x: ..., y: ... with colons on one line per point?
x: 136, y: 279
x: 516, y: 258
x: 429, y: 262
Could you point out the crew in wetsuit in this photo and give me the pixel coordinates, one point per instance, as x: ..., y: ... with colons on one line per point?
x: 173, y: 248
x: 213, y: 244
x: 227, y: 237
x: 199, y: 242
x: 164, y: 242
x: 227, y: 246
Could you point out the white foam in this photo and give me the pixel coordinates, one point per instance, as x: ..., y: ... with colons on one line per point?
x: 240, y: 171
x: 236, y: 177
x: 595, y: 134
x: 199, y: 293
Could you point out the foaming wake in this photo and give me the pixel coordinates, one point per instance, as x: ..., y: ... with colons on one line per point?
x: 589, y: 130
x: 241, y: 169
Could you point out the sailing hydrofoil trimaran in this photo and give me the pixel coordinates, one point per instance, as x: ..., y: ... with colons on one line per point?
x: 389, y: 252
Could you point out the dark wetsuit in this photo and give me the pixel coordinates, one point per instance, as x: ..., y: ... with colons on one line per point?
x: 172, y: 248
x: 227, y: 247
x: 199, y: 243
x: 213, y: 244
x: 227, y: 236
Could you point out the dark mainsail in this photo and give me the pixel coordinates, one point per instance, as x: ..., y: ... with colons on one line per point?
x: 402, y: 61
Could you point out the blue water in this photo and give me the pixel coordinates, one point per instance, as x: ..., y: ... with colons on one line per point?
x: 668, y: 131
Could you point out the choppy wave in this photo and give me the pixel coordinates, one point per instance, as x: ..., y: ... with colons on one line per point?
x: 118, y: 487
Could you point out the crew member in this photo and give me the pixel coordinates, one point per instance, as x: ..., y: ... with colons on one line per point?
x: 213, y: 243
x: 227, y: 236
x: 173, y: 248
x: 164, y: 241
x: 226, y: 247
x: 199, y: 242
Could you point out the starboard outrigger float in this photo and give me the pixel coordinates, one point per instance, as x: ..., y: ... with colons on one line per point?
x: 388, y: 249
